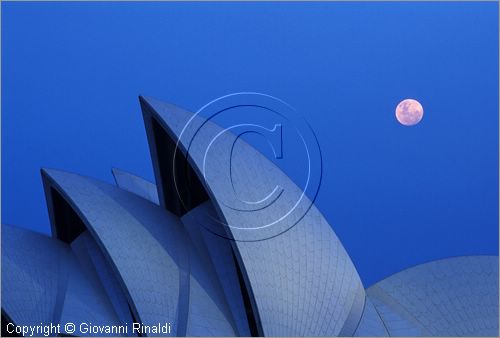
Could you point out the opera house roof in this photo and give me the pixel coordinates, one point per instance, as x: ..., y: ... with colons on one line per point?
x: 186, y: 251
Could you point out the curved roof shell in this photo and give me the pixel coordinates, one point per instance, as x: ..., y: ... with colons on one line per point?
x: 136, y: 185
x: 44, y: 281
x: 147, y: 248
x: 449, y: 297
x: 299, y: 278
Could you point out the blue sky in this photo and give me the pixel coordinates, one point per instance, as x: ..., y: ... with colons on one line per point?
x: 396, y: 196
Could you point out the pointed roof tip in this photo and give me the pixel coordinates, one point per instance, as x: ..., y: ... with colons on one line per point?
x: 48, y: 174
x: 55, y: 173
x: 147, y: 101
x: 47, y: 171
x: 51, y: 173
x: 146, y: 98
x: 44, y: 173
x: 150, y: 100
x: 117, y: 171
x: 142, y: 100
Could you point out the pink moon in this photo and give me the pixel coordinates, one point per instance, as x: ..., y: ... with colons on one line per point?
x: 409, y: 112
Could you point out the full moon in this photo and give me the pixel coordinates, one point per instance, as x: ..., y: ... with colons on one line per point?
x: 409, y: 112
